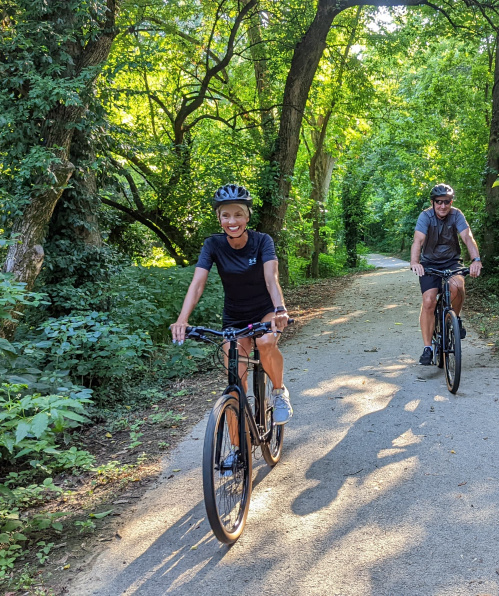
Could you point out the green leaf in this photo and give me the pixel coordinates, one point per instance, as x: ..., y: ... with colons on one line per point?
x: 23, y: 429
x: 11, y: 525
x: 6, y: 346
x: 4, y: 490
x: 39, y: 424
x: 101, y: 515
x: 73, y: 416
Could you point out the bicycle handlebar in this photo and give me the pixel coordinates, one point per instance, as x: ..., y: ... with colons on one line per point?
x: 447, y: 272
x: 253, y: 330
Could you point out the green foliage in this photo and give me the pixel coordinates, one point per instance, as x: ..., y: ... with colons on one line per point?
x: 29, y: 423
x: 151, y: 299
x: 38, y: 41
x: 15, y: 528
x: 92, y: 347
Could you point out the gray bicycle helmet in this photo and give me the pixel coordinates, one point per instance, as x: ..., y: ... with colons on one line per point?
x: 232, y: 193
x: 441, y: 190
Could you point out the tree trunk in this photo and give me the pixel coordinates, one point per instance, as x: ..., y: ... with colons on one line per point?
x: 321, y: 170
x: 306, y: 57
x: 25, y: 260
x: 74, y: 248
x: 490, y: 247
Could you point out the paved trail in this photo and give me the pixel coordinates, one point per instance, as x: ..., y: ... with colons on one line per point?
x: 389, y: 485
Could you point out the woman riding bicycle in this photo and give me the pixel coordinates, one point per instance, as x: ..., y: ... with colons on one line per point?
x: 247, y: 264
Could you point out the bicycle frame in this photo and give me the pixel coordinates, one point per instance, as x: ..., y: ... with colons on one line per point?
x: 444, y: 304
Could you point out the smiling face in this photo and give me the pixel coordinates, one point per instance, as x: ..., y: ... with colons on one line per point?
x: 233, y: 218
x: 443, y: 209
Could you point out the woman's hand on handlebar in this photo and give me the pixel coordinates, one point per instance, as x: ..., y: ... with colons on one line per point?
x: 178, y: 331
x: 279, y: 321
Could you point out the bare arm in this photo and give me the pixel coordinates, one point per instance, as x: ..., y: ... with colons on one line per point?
x: 471, y: 245
x: 192, y: 297
x: 417, y: 244
x: 271, y: 273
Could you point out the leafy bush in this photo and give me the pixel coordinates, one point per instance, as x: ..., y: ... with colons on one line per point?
x: 151, y: 298
x: 331, y: 265
x: 29, y: 423
x: 92, y: 347
x: 30, y: 428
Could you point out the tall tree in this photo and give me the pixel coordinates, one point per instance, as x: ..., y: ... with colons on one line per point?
x: 50, y: 56
x: 490, y: 246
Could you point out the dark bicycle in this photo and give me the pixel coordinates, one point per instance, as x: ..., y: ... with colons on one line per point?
x: 234, y: 429
x: 446, y: 341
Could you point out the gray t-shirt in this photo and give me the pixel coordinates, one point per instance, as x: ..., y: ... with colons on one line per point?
x: 441, y: 245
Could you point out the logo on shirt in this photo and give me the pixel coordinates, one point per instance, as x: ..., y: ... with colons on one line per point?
x: 251, y: 261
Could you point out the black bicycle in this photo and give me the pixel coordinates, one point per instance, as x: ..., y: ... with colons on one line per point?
x: 446, y: 341
x: 235, y: 428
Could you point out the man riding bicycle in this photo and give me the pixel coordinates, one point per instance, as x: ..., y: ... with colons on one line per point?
x: 436, y: 245
x: 247, y: 264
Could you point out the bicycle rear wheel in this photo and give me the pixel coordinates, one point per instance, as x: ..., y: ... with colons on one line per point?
x: 452, y: 354
x: 272, y: 448
x: 226, y: 473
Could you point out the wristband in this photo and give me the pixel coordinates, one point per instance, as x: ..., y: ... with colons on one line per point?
x: 280, y: 309
x: 476, y: 259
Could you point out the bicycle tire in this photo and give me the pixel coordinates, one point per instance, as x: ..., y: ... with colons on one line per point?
x: 438, y: 357
x: 226, y: 492
x: 272, y: 447
x: 452, y: 354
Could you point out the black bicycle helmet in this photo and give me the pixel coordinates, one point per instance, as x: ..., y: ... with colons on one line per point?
x: 441, y: 190
x: 232, y: 193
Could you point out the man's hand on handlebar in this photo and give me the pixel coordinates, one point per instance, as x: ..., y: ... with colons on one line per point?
x: 475, y: 268
x: 418, y: 269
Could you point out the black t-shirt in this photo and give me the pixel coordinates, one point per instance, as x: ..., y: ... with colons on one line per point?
x: 241, y: 271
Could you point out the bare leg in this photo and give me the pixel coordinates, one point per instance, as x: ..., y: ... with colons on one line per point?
x: 427, y: 316
x: 457, y: 293
x: 271, y: 357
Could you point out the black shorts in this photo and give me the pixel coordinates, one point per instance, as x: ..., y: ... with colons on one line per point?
x: 428, y: 282
x: 240, y: 323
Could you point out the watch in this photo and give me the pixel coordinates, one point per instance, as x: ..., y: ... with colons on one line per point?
x: 280, y: 309
x: 476, y: 259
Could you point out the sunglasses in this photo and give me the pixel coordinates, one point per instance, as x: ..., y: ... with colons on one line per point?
x: 442, y: 201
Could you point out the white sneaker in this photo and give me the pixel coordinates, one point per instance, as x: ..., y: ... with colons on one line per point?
x: 282, y: 406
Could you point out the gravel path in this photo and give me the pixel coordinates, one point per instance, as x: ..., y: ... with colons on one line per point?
x: 388, y: 484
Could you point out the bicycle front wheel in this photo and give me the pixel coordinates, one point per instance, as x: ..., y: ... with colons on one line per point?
x: 452, y: 354
x: 438, y: 357
x: 226, y: 472
x: 272, y: 447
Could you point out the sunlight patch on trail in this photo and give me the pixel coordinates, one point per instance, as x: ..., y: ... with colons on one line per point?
x: 412, y: 406
x: 347, y: 317
x: 407, y: 438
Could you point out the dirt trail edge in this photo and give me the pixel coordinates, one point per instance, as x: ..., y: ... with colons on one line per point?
x: 388, y: 485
